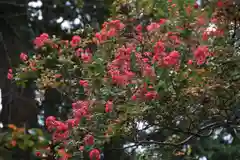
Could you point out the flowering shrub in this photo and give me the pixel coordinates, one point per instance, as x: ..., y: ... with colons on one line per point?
x: 155, y: 73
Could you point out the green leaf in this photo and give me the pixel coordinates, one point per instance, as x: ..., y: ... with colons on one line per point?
x: 186, y: 33
x: 133, y: 62
x: 30, y: 143
x: 161, y: 85
x: 88, y: 148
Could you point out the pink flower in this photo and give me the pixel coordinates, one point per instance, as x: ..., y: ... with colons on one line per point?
x: 78, y: 52
x: 174, y: 54
x: 44, y: 36
x: 58, y: 75
x: 86, y: 57
x: 134, y: 97
x: 10, y: 70
x: 172, y: 58
x: 81, y: 148
x: 9, y: 76
x: 138, y: 28
x: 83, y: 83
x: 23, y: 56
x: 162, y: 21
x: 89, y: 140
x: 98, y: 36
x: 75, y: 41
x: 190, y: 62
x: 50, y: 122
x: 159, y: 47
x: 112, y: 32
x: 94, y: 154
x: 151, y: 95
x: 109, y: 106
x: 153, y: 26
x: 220, y: 4
x: 201, y: 54
x: 205, y: 36
x: 39, y: 41
x: 72, y: 122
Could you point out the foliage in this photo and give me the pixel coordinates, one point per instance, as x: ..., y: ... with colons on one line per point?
x: 173, y: 74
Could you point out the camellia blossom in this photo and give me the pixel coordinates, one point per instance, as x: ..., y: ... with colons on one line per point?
x: 23, y: 56
x: 162, y: 21
x: 79, y: 51
x: 38, y: 154
x: 86, y: 57
x: 72, y: 122
x: 190, y: 62
x: 10, y: 70
x: 220, y: 3
x: 40, y: 41
x: 172, y: 58
x: 94, y: 154
x: 10, y: 76
x: 83, y: 83
x: 196, y: 6
x: 200, y: 54
x: 153, y: 26
x: 159, y: 48
x: 89, y: 140
x: 109, y: 106
x: 75, y: 41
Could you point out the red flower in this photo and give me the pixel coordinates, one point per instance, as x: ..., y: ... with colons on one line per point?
x: 23, y: 56
x: 75, y: 41
x: 196, y: 6
x: 50, y: 122
x: 94, y: 154
x: 153, y: 26
x: 134, y: 97
x: 86, y: 57
x: 9, y: 76
x: 109, y: 106
x: 190, y: 62
x: 151, y: 95
x: 159, y: 47
x: 220, y: 4
x: 58, y: 75
x: 44, y: 36
x: 205, y: 36
x: 13, y: 143
x: 83, y: 83
x: 81, y: 148
x: 78, y: 52
x: 138, y: 28
x: 38, y: 154
x: 39, y: 41
x: 201, y: 54
x: 89, y: 140
x: 10, y: 70
x: 72, y: 122
x: 172, y: 58
x: 162, y: 21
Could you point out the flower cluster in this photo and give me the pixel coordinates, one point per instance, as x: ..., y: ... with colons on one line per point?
x: 109, y: 30
x: 41, y: 40
x: 126, y: 71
